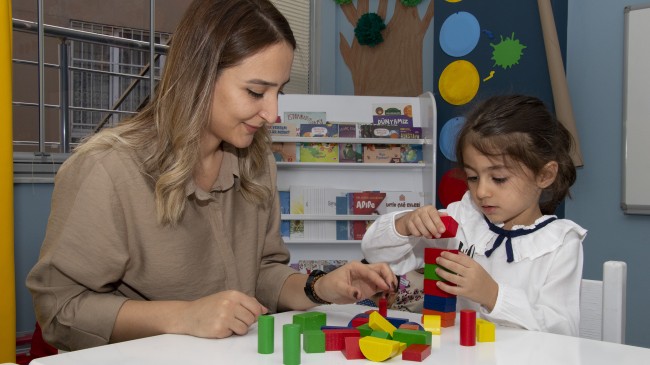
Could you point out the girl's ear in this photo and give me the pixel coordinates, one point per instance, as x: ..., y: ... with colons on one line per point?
x: 547, y: 175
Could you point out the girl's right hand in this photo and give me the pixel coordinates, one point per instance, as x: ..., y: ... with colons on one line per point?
x: 422, y: 222
x: 221, y: 314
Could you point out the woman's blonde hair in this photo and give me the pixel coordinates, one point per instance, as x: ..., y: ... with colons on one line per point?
x: 212, y: 36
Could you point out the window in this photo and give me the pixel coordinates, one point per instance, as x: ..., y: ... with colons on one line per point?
x: 297, y: 13
x: 101, y: 74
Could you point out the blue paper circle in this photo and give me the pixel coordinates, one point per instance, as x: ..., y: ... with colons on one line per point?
x: 448, y: 135
x: 459, y: 34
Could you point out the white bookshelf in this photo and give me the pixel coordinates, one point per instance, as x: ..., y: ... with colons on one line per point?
x: 418, y: 177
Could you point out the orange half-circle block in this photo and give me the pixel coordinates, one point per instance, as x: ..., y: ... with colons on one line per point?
x: 379, y: 349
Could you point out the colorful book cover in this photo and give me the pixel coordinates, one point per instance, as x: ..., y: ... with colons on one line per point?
x: 348, y: 130
x: 284, y: 151
x: 364, y: 203
x: 379, y: 131
x: 400, y: 200
x: 350, y: 152
x: 284, y: 129
x: 393, y: 114
x: 319, y: 130
x: 411, y: 153
x: 305, y: 117
x: 410, y: 132
x: 297, y: 206
x: 381, y: 153
x: 319, y: 152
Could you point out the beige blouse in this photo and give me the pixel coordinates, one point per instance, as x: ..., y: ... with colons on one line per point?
x: 103, y: 245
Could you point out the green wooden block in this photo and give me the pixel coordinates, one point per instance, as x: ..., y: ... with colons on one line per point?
x: 430, y: 272
x: 313, y: 341
x: 310, y: 320
x: 411, y: 337
x: 265, y: 334
x: 381, y: 334
x: 291, y: 344
x: 365, y: 330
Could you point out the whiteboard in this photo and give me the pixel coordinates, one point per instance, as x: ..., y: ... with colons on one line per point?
x: 636, y: 111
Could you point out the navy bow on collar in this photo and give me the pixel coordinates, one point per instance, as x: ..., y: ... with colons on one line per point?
x: 507, y: 235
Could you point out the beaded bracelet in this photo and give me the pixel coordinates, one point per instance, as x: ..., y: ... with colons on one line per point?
x: 309, y: 287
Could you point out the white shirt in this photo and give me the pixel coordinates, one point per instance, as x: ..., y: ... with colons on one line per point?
x: 539, y: 291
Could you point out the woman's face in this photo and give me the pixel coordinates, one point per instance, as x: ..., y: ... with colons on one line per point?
x: 246, y: 96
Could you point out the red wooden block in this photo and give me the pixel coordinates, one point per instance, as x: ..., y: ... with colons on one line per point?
x: 416, y: 352
x: 335, y: 338
x: 358, y: 321
x: 383, y: 307
x: 352, y: 351
x: 430, y: 288
x: 467, y: 327
x: 451, y: 227
x: 447, y: 319
x: 431, y: 254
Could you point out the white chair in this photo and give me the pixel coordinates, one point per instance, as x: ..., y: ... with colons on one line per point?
x: 602, y: 304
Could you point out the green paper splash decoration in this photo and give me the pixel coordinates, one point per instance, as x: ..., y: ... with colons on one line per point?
x: 368, y: 29
x: 411, y: 2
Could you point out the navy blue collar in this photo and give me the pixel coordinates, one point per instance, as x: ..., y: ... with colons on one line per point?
x: 507, y: 235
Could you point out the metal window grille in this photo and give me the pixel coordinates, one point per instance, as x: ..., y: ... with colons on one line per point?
x: 101, y: 73
x: 297, y: 13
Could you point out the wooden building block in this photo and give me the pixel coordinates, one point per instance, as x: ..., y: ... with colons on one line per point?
x: 416, y: 352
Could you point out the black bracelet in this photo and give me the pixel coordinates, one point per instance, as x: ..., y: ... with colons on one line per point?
x: 309, y: 287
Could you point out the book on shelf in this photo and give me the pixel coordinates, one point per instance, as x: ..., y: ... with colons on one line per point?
x: 285, y: 208
x: 284, y: 129
x: 305, y: 117
x: 363, y: 203
x: 394, y: 114
x: 381, y: 153
x: 319, y: 151
x: 284, y: 151
x: 349, y: 152
x: 342, y: 227
x: 379, y: 131
x: 400, y: 200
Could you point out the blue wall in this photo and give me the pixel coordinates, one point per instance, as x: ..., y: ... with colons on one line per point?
x: 31, y: 210
x: 595, y: 75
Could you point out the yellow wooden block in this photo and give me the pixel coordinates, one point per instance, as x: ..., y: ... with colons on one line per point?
x: 485, y: 330
x: 431, y: 323
x: 379, y: 349
x: 378, y: 323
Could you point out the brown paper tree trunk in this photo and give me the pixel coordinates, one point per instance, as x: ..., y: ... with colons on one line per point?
x: 393, y: 67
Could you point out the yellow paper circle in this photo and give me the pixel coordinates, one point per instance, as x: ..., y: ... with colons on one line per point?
x: 459, y: 82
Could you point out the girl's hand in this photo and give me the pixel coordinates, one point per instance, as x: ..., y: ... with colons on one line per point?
x: 355, y: 281
x: 221, y: 315
x: 422, y: 222
x: 471, y: 279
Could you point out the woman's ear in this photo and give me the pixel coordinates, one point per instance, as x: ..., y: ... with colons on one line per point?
x: 547, y: 175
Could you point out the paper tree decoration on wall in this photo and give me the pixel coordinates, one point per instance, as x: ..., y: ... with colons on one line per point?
x: 394, y: 66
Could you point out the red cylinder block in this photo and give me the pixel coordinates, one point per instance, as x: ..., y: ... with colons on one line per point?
x: 467, y: 327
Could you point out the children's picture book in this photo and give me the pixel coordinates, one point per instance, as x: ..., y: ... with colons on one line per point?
x: 319, y: 152
x: 410, y: 132
x: 379, y: 131
x: 319, y: 130
x: 381, y: 153
x: 411, y: 153
x: 363, y: 203
x: 400, y: 200
x: 342, y: 227
x: 400, y: 115
x: 284, y: 129
x: 349, y: 152
x: 305, y: 117
x: 284, y: 151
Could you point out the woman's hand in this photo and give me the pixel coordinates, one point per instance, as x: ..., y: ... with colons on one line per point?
x: 355, y: 281
x: 471, y: 279
x: 422, y: 222
x: 221, y: 315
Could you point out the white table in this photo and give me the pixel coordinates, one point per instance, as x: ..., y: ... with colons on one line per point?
x: 512, y: 346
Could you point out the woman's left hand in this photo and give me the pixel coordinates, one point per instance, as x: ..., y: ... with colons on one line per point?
x: 355, y: 281
x: 471, y: 279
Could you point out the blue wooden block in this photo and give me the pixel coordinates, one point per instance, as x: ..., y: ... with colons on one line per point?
x: 440, y: 304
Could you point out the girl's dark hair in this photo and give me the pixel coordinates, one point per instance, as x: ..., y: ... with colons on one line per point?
x: 521, y: 129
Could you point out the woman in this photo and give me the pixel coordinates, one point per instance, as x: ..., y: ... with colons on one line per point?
x: 169, y: 222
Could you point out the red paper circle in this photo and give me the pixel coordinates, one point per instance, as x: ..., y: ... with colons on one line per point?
x: 453, y: 186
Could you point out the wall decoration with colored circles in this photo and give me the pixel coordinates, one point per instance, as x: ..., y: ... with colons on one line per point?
x: 484, y: 48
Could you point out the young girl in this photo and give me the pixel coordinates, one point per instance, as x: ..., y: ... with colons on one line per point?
x: 527, y: 263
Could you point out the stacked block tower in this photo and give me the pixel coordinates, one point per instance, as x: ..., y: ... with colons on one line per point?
x: 436, y: 301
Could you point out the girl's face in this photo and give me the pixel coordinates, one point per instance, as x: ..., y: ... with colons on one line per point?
x: 246, y: 96
x: 504, y: 195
